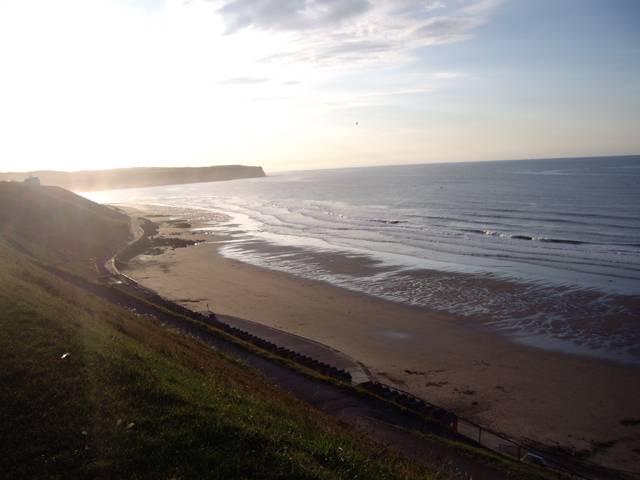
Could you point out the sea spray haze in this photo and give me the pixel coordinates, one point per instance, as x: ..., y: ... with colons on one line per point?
x: 545, y: 251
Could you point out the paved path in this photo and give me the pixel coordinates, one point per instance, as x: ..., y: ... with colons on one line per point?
x: 304, y: 346
x: 136, y: 234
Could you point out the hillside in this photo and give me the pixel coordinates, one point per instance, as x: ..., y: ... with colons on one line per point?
x: 92, y: 180
x: 54, y: 224
x: 91, y: 390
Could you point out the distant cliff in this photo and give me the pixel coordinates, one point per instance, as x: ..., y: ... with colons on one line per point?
x: 91, y: 180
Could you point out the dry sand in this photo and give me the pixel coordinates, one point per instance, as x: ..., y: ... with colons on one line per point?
x: 528, y: 393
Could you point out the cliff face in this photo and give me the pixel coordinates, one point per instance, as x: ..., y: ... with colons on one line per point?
x: 92, y: 180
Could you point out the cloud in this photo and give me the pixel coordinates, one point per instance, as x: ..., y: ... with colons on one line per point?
x: 440, y: 30
x: 482, y: 6
x: 289, y: 14
x: 333, y: 53
x: 243, y: 81
x: 350, y: 33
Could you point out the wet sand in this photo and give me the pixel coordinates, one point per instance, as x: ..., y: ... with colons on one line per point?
x: 531, y: 394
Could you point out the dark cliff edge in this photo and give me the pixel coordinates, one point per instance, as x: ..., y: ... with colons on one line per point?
x: 92, y: 180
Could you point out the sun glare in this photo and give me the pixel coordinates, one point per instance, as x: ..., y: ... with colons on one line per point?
x: 102, y: 85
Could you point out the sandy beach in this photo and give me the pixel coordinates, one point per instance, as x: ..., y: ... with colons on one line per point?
x: 531, y: 394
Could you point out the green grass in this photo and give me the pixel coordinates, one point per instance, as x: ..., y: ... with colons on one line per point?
x: 195, y: 412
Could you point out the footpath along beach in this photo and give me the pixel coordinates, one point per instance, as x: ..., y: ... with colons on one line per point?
x: 581, y: 404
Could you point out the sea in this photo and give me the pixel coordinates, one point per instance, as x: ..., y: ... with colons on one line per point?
x: 544, y: 252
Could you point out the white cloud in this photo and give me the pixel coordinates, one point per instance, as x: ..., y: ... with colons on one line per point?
x: 339, y: 33
x: 289, y: 14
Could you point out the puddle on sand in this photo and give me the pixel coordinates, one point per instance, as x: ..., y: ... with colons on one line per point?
x: 395, y: 334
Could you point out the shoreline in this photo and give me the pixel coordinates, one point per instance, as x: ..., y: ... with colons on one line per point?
x: 528, y: 393
x: 563, y: 318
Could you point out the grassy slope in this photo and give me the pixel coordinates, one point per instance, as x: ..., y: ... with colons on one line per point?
x: 53, y: 223
x: 133, y: 400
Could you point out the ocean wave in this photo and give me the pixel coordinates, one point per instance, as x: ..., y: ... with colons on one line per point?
x: 522, y: 237
x: 493, y: 233
x: 525, y: 217
x: 564, y: 241
x: 520, y: 211
x: 388, y: 222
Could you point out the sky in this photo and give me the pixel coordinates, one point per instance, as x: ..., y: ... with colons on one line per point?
x: 304, y: 84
